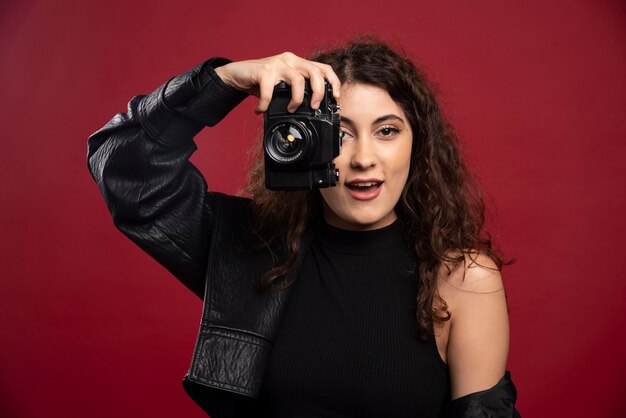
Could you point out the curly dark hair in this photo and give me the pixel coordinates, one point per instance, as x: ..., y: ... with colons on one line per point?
x: 441, y: 205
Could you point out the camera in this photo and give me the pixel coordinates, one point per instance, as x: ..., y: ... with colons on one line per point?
x: 300, y: 147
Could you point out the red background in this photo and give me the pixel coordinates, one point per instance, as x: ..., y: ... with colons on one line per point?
x: 91, y: 326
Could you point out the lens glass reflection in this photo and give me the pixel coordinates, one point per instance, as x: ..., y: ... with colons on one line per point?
x: 287, y: 143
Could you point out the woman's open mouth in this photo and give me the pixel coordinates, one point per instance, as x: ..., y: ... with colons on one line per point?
x: 364, y: 189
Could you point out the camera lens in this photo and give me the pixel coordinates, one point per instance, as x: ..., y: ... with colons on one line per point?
x: 287, y: 142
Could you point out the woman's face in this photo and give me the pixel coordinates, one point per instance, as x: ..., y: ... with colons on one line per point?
x: 374, y: 160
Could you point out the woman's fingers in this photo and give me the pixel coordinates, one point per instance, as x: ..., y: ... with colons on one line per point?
x: 290, y: 76
x: 266, y: 90
x: 329, y: 74
x: 259, y: 77
x: 316, y: 78
x: 296, y: 70
x: 316, y: 72
x: 296, y: 81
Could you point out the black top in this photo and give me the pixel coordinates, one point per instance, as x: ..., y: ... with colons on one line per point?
x: 347, y: 344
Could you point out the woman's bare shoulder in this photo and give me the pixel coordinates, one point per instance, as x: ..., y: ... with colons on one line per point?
x: 478, y: 343
x: 475, y: 273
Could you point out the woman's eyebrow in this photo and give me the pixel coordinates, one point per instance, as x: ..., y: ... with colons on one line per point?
x: 378, y: 120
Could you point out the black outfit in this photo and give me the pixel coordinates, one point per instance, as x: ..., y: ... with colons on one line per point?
x: 160, y: 201
x: 347, y: 345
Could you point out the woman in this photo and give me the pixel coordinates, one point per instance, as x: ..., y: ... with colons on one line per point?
x: 378, y: 297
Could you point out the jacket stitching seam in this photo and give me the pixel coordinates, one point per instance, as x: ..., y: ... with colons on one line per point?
x: 232, y: 337
x: 245, y: 332
x: 218, y: 383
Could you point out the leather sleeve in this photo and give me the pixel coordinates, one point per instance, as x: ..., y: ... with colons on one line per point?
x: 495, y: 402
x: 140, y: 161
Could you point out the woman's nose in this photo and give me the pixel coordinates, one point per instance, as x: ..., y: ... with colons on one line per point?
x: 363, y: 155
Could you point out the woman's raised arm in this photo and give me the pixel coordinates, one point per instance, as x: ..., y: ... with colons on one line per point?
x: 140, y: 159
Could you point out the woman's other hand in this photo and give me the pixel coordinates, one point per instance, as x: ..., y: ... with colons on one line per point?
x: 258, y: 77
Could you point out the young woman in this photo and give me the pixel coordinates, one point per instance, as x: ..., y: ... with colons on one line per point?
x: 378, y: 297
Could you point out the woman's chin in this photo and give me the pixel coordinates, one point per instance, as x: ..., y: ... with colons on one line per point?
x: 361, y: 223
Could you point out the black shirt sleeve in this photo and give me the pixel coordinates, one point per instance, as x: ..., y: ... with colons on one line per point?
x: 140, y: 161
x: 495, y: 402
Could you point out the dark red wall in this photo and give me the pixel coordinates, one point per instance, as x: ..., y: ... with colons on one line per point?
x: 91, y: 326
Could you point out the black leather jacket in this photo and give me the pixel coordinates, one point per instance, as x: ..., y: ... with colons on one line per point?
x: 140, y: 160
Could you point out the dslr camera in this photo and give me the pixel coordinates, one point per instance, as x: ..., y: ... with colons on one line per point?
x: 300, y: 147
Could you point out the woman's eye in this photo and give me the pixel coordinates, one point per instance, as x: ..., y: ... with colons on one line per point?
x: 343, y: 134
x: 388, y: 131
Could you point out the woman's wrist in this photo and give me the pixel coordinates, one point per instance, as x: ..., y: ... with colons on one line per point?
x: 221, y: 73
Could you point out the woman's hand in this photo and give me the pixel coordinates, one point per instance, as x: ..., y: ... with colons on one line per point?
x: 258, y: 77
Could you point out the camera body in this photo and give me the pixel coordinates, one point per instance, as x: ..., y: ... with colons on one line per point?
x: 300, y: 147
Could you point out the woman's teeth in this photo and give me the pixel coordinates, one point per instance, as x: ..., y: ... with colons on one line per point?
x: 363, y: 186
